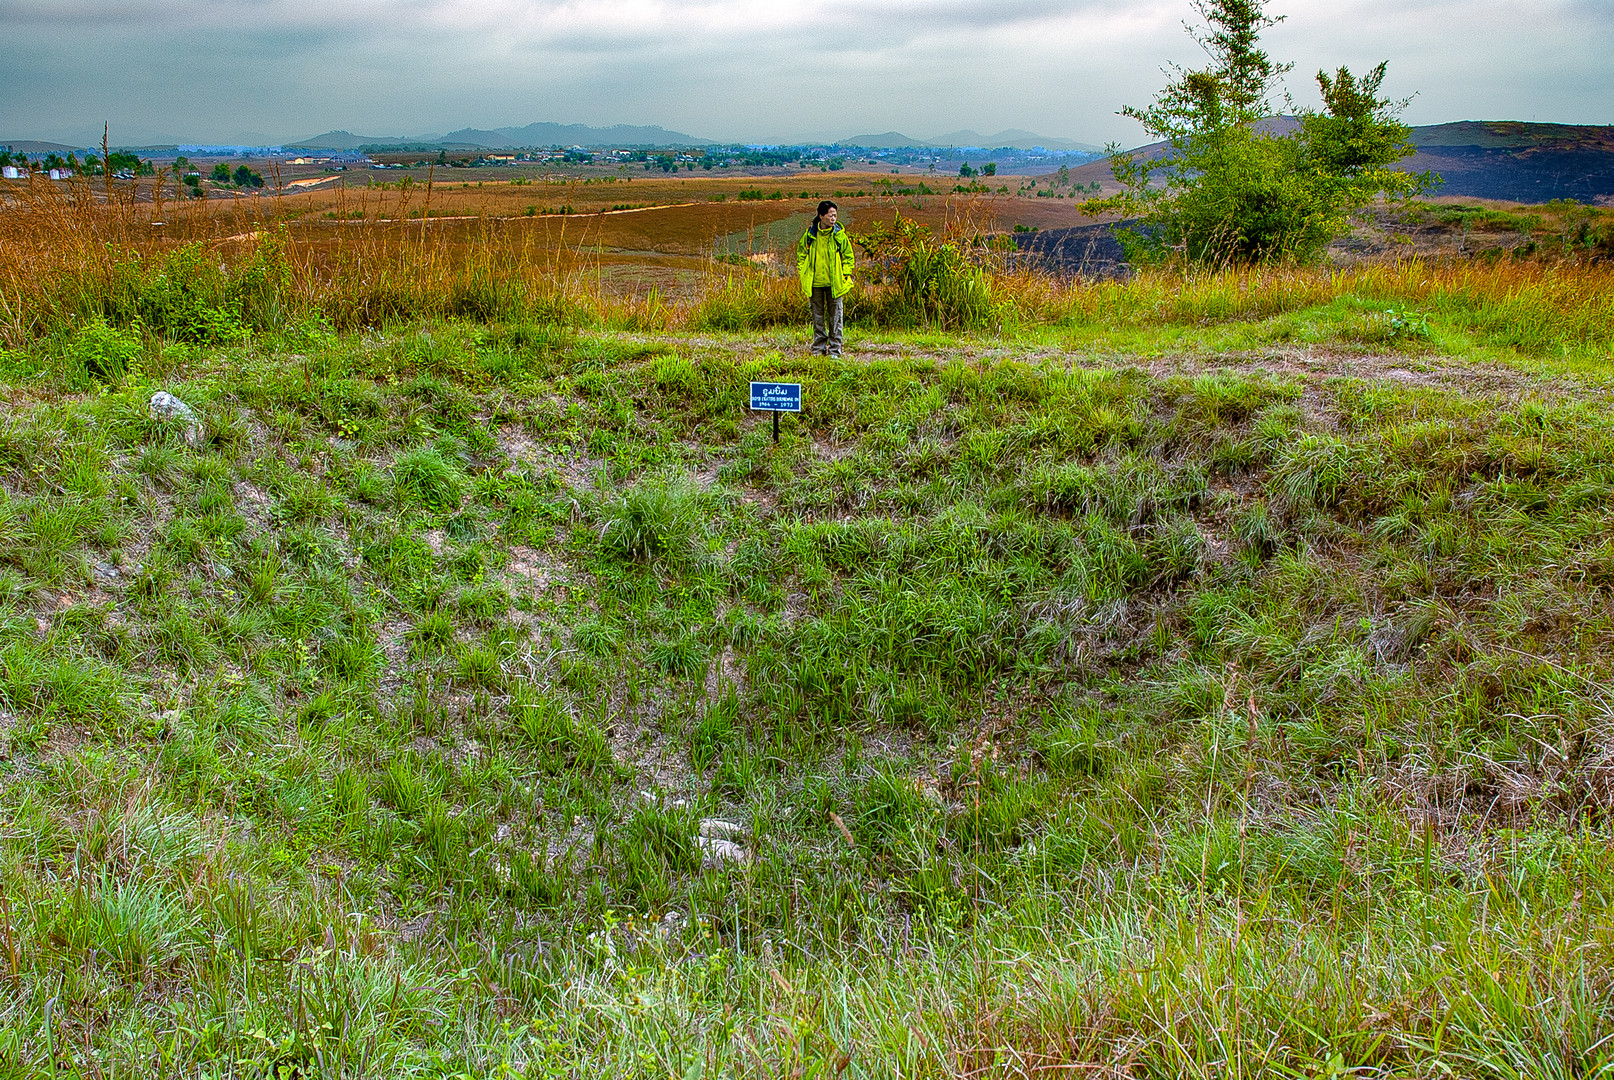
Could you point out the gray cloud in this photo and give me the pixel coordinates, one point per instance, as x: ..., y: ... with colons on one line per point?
x: 737, y: 69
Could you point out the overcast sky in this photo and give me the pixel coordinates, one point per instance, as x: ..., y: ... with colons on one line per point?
x: 281, y: 70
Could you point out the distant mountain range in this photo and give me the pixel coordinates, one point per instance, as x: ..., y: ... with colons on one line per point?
x: 550, y: 134
x: 1010, y: 138
x: 541, y: 134
x: 33, y: 146
x: 546, y: 134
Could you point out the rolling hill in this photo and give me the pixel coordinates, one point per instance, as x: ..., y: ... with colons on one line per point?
x: 33, y: 146
x: 1530, y: 163
x: 1489, y: 159
x: 1011, y: 138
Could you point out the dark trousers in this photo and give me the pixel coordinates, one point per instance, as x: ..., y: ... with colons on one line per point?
x: 827, y: 310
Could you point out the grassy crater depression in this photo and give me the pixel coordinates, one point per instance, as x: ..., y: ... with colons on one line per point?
x: 499, y: 700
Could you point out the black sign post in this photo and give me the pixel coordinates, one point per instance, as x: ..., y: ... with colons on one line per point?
x: 778, y: 397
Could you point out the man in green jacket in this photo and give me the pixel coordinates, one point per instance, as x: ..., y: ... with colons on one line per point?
x: 824, y: 264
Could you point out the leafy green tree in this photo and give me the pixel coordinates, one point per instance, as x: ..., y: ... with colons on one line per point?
x: 966, y: 170
x: 245, y: 177
x: 989, y: 169
x: 220, y: 173
x: 1233, y: 186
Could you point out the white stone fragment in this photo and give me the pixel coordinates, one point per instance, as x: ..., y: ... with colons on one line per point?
x: 165, y: 406
x: 717, y: 852
x: 718, y: 829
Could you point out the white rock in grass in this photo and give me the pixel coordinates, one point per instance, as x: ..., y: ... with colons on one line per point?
x: 165, y: 406
x: 717, y: 852
x: 718, y: 829
x: 720, y: 844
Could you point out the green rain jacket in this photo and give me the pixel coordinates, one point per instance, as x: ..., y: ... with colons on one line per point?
x: 835, y: 248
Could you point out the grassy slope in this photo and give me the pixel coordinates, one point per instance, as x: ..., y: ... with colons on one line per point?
x: 1219, y: 712
x: 1514, y: 135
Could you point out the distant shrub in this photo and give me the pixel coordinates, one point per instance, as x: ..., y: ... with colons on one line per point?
x: 747, y: 304
x: 563, y: 742
x: 105, y: 353
x: 935, y: 282
x: 484, y: 298
x: 1311, y: 470
x: 190, y: 296
x: 1255, y: 531
x: 16, y: 365
x: 659, y: 517
x: 424, y: 477
x: 675, y: 374
x: 1397, y: 326
x: 714, y: 733
x: 680, y: 656
x: 1076, y: 745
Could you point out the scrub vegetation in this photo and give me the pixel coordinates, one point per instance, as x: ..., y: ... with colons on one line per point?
x: 1231, y: 189
x: 1203, y: 674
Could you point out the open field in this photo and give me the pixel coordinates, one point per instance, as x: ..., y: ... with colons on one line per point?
x: 1193, y: 675
x: 678, y: 254
x: 637, y: 234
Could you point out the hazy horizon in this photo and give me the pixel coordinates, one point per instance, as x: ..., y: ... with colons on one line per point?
x: 90, y: 137
x: 279, y: 71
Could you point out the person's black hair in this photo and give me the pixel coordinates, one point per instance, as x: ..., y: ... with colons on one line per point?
x: 825, y: 207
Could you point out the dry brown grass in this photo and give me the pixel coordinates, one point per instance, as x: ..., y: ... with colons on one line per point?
x: 363, y: 254
x: 377, y: 253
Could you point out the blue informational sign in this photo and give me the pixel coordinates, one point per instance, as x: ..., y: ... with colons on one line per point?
x: 778, y: 396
